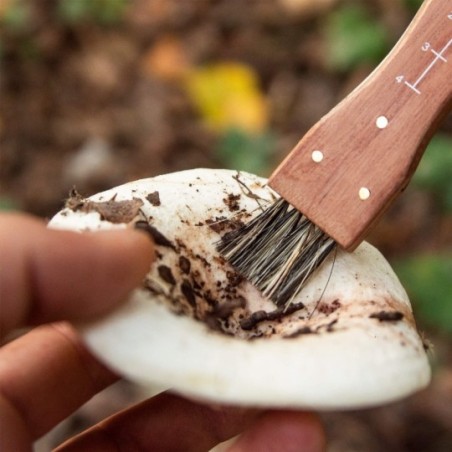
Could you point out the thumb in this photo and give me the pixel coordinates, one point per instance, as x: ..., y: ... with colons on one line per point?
x: 49, y: 275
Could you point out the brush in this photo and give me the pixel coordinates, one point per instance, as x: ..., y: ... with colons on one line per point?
x: 350, y: 166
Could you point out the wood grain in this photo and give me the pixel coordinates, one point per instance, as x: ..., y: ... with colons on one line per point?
x: 412, y: 88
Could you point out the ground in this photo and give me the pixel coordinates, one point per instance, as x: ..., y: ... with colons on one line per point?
x: 94, y: 97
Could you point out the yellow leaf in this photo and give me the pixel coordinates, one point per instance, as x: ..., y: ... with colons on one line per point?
x: 227, y: 95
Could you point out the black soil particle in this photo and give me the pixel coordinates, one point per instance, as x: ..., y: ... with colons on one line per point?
x: 261, y: 316
x: 387, y: 316
x: 250, y: 322
x: 300, y: 332
x: 184, y: 265
x: 225, y: 310
x: 188, y: 292
x: 329, y: 326
x: 204, y: 261
x: 118, y: 211
x: 328, y: 309
x: 209, y: 298
x: 308, y: 330
x: 223, y: 224
x: 154, y: 198
x: 166, y: 274
x: 112, y: 211
x: 234, y: 278
x: 232, y: 201
x: 156, y: 235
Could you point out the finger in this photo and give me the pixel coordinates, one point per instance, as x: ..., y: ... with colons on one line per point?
x: 283, y: 431
x: 49, y: 275
x: 164, y: 423
x: 45, y: 376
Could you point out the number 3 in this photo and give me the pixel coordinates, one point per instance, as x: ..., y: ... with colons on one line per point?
x: 426, y: 46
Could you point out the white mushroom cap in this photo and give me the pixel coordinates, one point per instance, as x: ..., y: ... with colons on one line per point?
x: 348, y: 340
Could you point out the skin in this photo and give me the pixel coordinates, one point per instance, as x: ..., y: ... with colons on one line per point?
x: 49, y: 278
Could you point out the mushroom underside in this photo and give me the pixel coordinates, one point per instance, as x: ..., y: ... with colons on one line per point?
x: 348, y: 340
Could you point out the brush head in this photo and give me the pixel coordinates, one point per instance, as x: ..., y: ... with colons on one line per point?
x: 277, y: 251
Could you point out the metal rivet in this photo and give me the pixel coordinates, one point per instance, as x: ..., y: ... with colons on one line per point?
x: 364, y: 193
x: 382, y: 122
x: 317, y: 156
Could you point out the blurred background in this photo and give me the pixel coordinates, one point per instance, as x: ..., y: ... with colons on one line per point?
x: 95, y: 93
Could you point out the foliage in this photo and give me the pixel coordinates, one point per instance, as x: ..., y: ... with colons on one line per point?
x: 247, y: 152
x: 105, y: 12
x: 354, y: 38
x: 6, y: 204
x: 16, y: 14
x: 434, y: 173
x: 413, y: 5
x: 429, y: 278
x: 429, y: 283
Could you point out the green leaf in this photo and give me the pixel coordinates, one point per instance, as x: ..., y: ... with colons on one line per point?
x: 428, y: 281
x: 104, y: 12
x: 354, y: 38
x: 434, y: 173
x: 7, y: 204
x: 243, y: 151
x: 108, y: 12
x: 413, y: 5
x: 74, y: 11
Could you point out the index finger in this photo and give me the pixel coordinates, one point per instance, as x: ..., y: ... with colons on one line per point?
x: 49, y: 275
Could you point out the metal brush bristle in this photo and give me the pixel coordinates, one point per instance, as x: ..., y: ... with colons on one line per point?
x: 277, y: 251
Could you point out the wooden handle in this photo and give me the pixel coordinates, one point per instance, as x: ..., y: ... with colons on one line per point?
x: 350, y: 166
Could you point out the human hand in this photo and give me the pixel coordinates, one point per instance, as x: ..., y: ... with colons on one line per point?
x: 48, y: 277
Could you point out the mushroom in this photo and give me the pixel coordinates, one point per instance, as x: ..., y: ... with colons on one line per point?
x: 348, y: 340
